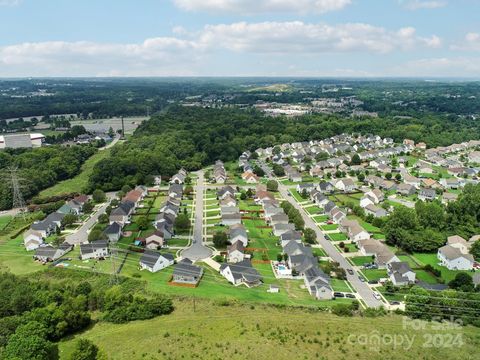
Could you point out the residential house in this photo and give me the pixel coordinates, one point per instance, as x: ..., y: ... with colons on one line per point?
x: 354, y: 230
x: 280, y: 218
x: 122, y: 213
x: 345, y: 185
x: 400, y: 273
x: 175, y: 191
x: 154, y: 261
x: 226, y: 191
x: 113, y: 232
x: 32, y: 239
x: 241, y: 273
x: 318, y: 284
x: 235, y: 252
x: 94, y: 250
x: 381, y: 254
x: 279, y: 229
x: 179, y: 178
x: 155, y: 240
x: 231, y: 219
x: 454, y: 259
x: 290, y: 235
x: 237, y: 232
x: 187, y: 273
x: 325, y: 187
x: 449, y: 197
x: 406, y: 189
x: 375, y: 211
x: 307, y: 187
x: 427, y: 194
x: 228, y: 201
x: 49, y: 253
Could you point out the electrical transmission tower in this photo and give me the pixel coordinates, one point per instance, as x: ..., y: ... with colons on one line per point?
x: 114, y: 276
x: 12, y: 177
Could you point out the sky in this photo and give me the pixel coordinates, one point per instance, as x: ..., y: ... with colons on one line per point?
x: 298, y: 38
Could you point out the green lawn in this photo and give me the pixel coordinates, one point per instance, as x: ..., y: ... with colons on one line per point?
x: 14, y: 257
x: 4, y: 220
x: 351, y: 248
x: 79, y: 182
x: 424, y: 259
x: 360, y: 260
x: 328, y: 227
x: 408, y: 259
x: 177, y: 242
x: 320, y: 218
x: 425, y: 276
x: 375, y: 274
x: 297, y: 196
x: 340, y: 285
x: 337, y: 237
x: 314, y: 210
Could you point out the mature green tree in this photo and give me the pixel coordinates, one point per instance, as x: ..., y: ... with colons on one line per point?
x: 95, y: 235
x: 99, y: 196
x: 475, y: 250
x: 462, y: 282
x: 220, y: 239
x: 310, y: 236
x: 69, y: 219
x: 143, y: 223
x: 30, y: 342
x: 84, y: 350
x: 272, y: 185
x: 182, y: 222
x: 356, y: 160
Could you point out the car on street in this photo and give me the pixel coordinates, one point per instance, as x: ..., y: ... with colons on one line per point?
x: 350, y: 271
x: 373, y: 282
x: 376, y: 295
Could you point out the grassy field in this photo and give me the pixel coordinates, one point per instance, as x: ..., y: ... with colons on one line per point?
x: 4, y: 220
x: 328, y: 227
x: 432, y: 259
x: 79, y: 182
x: 212, y: 331
x: 360, y: 260
x: 375, y: 274
x: 337, y: 236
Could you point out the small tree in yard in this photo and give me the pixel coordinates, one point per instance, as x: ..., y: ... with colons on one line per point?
x: 143, y: 223
x: 272, y: 185
x: 69, y: 219
x: 310, y: 236
x: 188, y: 190
x: 99, y: 196
x: 95, y: 235
x: 87, y: 207
x: 220, y: 239
x: 279, y: 257
x: 341, y: 245
x: 304, y: 194
x: 182, y: 222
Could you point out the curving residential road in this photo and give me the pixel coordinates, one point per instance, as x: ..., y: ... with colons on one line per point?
x: 81, y: 235
x: 198, y: 251
x: 365, y: 292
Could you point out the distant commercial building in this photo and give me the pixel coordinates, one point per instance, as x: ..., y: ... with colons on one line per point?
x: 17, y: 141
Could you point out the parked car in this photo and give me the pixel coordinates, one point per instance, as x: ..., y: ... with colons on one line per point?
x: 373, y: 282
x: 350, y: 296
x: 350, y: 271
x: 338, y: 294
x: 376, y: 295
x: 361, y: 279
x: 394, y: 302
x: 330, y: 222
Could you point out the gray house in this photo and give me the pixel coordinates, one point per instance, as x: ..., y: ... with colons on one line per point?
x: 187, y: 273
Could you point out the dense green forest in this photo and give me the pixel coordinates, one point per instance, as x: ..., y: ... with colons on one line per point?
x: 40, y: 168
x: 194, y: 137
x: 425, y: 228
x: 36, y: 314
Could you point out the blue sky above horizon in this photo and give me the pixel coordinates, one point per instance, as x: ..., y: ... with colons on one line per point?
x: 351, y: 38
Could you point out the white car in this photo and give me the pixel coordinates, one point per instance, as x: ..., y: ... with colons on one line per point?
x: 376, y: 295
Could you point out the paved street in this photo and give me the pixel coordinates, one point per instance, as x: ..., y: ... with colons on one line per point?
x: 361, y: 287
x: 81, y: 235
x: 198, y: 251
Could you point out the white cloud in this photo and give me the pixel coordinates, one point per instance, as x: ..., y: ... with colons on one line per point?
x: 423, y: 4
x: 198, y: 52
x: 452, y: 67
x: 263, y: 6
x: 155, y: 56
x: 299, y: 37
x: 470, y: 43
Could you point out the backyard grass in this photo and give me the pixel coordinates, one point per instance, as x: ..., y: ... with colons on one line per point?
x: 339, y: 285
x: 375, y: 274
x: 328, y: 227
x: 320, y: 218
x: 360, y: 260
x: 79, y: 182
x: 424, y: 259
x: 314, y: 210
x: 4, y: 220
x: 351, y: 248
x: 178, y: 242
x: 337, y: 236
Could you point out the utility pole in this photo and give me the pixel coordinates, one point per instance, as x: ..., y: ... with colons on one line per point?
x: 17, y: 197
x: 113, y: 277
